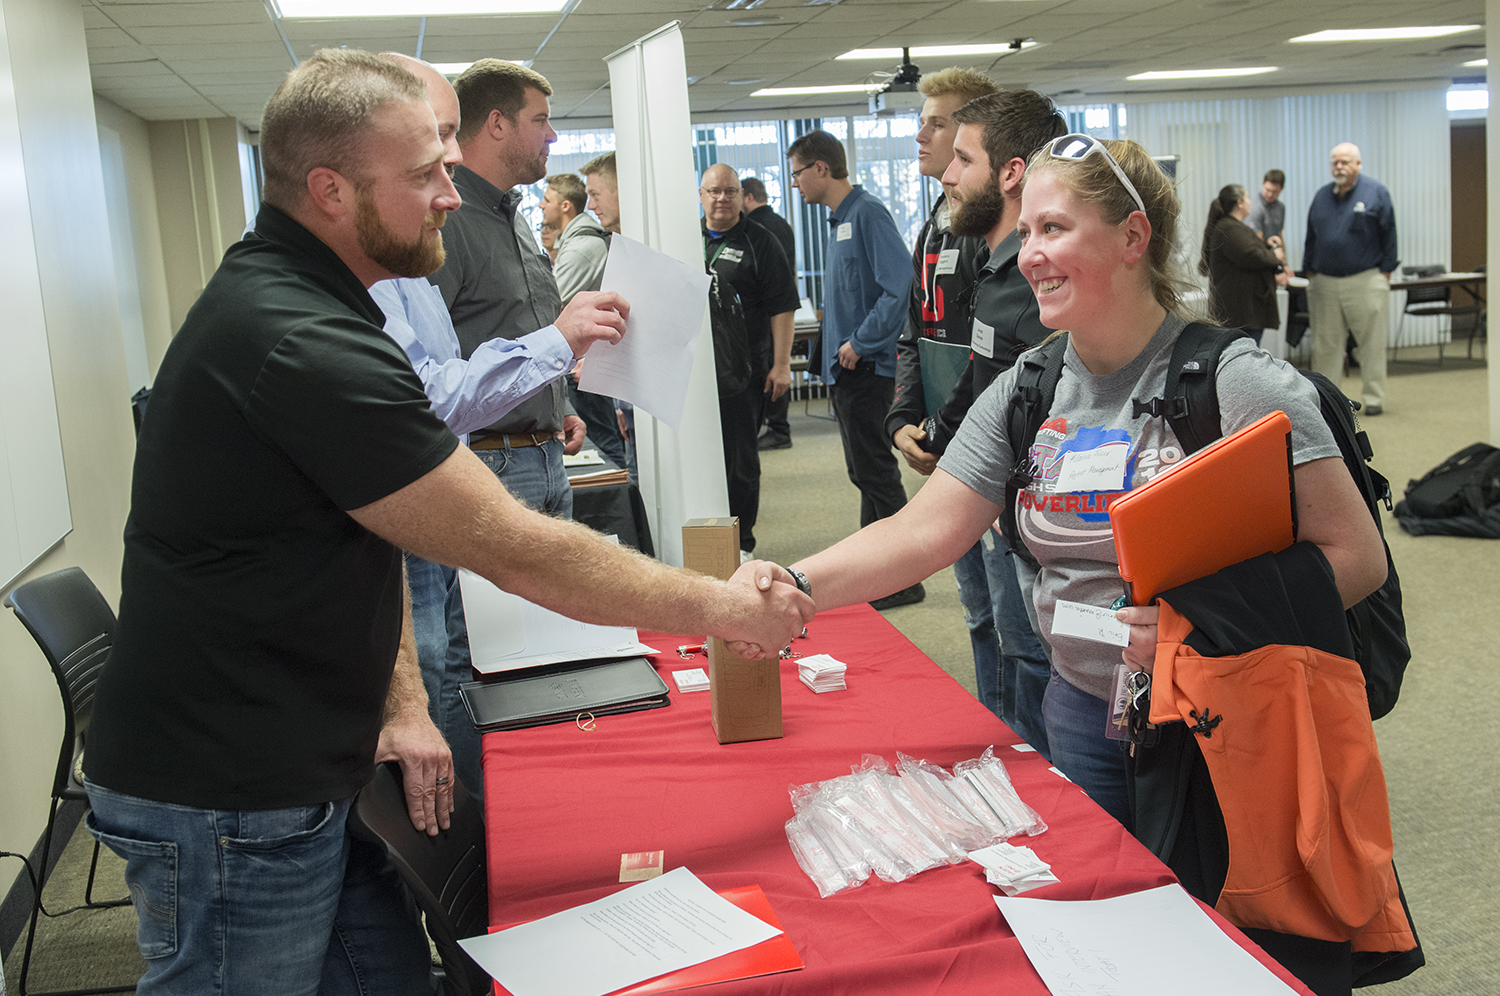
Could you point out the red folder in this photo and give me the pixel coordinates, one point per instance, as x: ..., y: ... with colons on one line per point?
x: 1230, y: 501
x: 775, y: 954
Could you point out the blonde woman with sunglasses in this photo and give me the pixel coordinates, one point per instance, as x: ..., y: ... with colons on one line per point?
x: 1099, y: 226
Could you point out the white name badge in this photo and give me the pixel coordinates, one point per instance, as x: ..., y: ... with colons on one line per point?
x: 846, y: 232
x: 982, y: 339
x: 1089, y: 622
x: 947, y: 262
x: 1098, y: 469
x: 732, y: 255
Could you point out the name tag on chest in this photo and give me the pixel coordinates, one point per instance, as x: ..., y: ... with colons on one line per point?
x: 982, y: 339
x: 845, y: 232
x: 732, y: 255
x: 947, y: 262
x: 1098, y: 469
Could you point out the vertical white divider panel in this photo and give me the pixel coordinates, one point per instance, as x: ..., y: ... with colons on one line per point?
x: 34, y: 513
x: 682, y: 472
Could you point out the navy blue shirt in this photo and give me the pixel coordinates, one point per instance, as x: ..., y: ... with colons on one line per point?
x: 1351, y: 233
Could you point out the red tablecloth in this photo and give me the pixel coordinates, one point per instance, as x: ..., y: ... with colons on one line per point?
x: 563, y: 804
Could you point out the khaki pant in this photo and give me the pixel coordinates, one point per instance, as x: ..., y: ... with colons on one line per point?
x: 1357, y: 305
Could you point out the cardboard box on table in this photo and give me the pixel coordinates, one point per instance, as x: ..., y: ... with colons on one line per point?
x: 744, y: 695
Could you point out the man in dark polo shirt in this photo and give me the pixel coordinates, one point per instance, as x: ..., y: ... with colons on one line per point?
x: 497, y: 281
x: 756, y: 208
x: 263, y: 659
x: 751, y: 261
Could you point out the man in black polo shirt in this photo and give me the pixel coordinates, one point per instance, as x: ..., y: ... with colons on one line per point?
x: 751, y: 261
x: 756, y: 208
x: 995, y: 136
x: 263, y: 660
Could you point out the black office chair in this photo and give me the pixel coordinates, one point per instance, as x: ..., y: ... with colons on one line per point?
x: 75, y: 628
x: 1435, y: 301
x: 445, y: 873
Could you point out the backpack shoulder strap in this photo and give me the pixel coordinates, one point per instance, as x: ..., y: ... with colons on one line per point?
x: 1037, y: 375
x: 1190, y: 399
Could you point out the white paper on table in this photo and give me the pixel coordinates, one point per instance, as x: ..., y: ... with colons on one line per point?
x: 636, y: 934
x: 1135, y: 945
x: 650, y: 365
x: 507, y: 633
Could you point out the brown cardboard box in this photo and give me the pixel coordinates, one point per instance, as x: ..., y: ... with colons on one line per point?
x: 744, y: 695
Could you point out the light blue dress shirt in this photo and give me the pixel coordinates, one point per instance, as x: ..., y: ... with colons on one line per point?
x: 467, y: 394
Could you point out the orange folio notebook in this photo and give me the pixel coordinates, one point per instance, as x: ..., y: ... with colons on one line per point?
x: 1230, y: 501
x: 775, y: 954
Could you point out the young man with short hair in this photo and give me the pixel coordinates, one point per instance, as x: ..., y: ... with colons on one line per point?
x: 867, y: 274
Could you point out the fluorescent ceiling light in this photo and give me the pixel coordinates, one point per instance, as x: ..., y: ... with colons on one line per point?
x: 792, y: 91
x: 1201, y: 74
x: 292, y: 10
x: 1476, y: 63
x: 1386, y: 34
x: 935, y: 51
x: 457, y: 68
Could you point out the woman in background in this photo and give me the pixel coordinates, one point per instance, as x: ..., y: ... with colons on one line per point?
x: 1242, y: 270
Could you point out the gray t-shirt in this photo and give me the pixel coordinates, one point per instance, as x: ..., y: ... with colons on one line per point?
x: 1266, y: 218
x: 1069, y: 533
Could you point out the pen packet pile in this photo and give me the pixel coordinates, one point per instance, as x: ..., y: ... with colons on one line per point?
x: 822, y: 673
x: 896, y: 822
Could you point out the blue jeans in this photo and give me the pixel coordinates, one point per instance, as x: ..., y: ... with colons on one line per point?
x: 535, y: 475
x: 437, y: 615
x: 1011, y: 667
x: 272, y: 903
x: 1095, y: 763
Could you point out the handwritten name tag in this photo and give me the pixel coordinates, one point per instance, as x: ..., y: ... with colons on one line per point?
x: 846, y: 231
x: 1098, y: 469
x: 1089, y: 622
x: 947, y: 262
x: 982, y: 339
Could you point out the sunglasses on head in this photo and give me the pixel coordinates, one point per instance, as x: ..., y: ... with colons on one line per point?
x: 1076, y: 148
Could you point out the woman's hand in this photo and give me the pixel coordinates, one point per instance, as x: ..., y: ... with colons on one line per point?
x: 1141, y: 654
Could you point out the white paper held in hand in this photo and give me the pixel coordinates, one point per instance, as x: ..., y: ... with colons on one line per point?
x: 636, y: 934
x: 651, y: 365
x: 1089, y: 622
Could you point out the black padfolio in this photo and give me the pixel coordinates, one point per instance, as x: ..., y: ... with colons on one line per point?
x: 516, y: 700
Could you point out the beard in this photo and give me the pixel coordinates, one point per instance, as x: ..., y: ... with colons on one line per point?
x: 416, y: 258
x: 529, y: 167
x: 978, y: 212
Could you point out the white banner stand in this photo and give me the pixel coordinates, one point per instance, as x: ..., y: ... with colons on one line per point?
x: 682, y: 473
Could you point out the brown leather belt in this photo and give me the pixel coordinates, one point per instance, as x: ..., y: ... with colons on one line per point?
x: 510, y: 440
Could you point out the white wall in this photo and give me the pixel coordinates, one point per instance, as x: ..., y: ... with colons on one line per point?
x: 131, y: 195
x: 1403, y: 140
x: 65, y: 189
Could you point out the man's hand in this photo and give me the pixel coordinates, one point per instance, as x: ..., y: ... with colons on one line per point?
x: 848, y: 358
x: 1283, y: 279
x: 1141, y: 654
x: 774, y: 612
x: 623, y: 423
x: 426, y: 768
x: 593, y: 316
x: 778, y: 381
x: 916, y: 458
x: 573, y: 432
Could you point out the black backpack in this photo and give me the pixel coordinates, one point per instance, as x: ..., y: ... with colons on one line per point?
x: 1458, y: 497
x: 1190, y: 404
